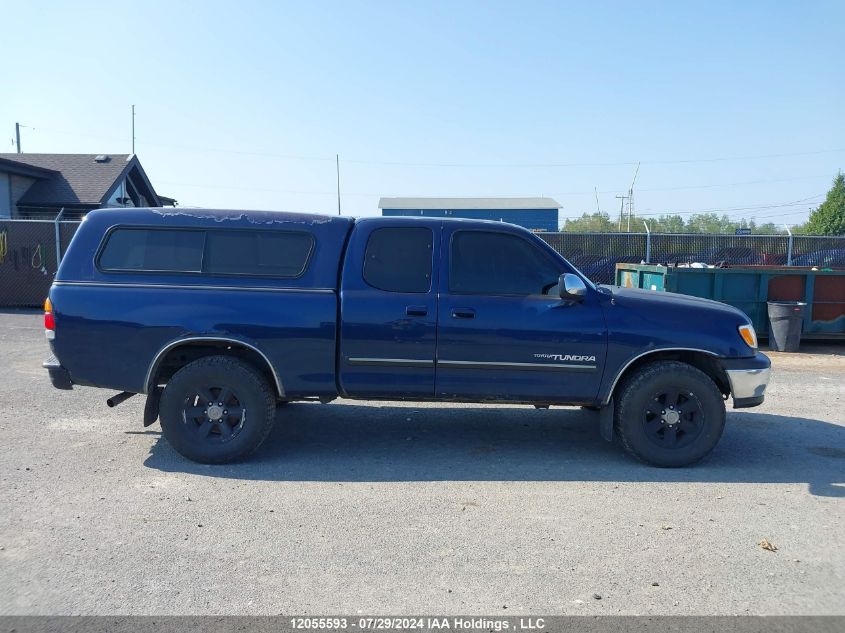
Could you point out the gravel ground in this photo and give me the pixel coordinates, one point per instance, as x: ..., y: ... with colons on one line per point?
x: 406, y: 508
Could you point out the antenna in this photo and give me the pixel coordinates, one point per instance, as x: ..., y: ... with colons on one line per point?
x: 337, y: 167
x: 133, y: 129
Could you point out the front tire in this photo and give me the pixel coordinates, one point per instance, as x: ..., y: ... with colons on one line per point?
x: 217, y: 410
x: 669, y: 414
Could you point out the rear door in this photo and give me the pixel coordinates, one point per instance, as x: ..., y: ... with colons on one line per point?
x: 388, y: 308
x: 504, y: 332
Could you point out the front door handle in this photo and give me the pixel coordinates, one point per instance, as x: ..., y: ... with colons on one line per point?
x: 463, y: 313
x: 419, y: 311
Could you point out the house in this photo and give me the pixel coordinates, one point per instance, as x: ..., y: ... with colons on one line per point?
x: 537, y: 214
x: 38, y: 186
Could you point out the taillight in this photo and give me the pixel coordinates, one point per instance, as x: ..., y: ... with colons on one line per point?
x: 49, y: 318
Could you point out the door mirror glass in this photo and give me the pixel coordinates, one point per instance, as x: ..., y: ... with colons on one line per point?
x: 571, y: 287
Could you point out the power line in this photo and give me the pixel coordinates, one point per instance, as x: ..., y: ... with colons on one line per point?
x: 793, y: 203
x: 360, y: 161
x: 198, y: 149
x: 507, y: 195
x: 774, y: 215
x: 733, y: 184
x: 598, y: 164
x: 802, y: 202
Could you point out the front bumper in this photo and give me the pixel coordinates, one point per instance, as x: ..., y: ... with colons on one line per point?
x: 59, y: 376
x: 749, y: 378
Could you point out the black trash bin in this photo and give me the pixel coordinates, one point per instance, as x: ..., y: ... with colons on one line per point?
x: 786, y: 319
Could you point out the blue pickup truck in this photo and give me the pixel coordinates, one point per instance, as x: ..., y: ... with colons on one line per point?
x: 219, y: 317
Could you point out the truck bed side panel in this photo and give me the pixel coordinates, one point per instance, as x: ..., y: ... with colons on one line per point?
x: 294, y: 329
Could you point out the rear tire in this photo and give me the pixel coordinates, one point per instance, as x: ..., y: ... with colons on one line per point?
x: 217, y: 410
x: 669, y: 414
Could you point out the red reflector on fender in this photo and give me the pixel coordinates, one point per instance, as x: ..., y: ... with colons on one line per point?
x: 49, y: 321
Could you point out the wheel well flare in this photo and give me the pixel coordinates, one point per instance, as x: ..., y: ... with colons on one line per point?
x: 176, y: 355
x: 704, y: 361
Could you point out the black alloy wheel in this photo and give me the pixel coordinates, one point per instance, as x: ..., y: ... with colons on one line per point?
x: 215, y: 414
x: 673, y: 419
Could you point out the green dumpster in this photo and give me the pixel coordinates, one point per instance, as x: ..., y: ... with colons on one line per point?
x: 749, y: 288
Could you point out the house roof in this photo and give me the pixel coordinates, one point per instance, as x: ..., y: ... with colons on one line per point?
x: 21, y: 169
x: 468, y: 203
x: 71, y: 179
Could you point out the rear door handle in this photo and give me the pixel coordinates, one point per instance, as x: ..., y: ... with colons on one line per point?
x: 463, y: 313
x: 419, y: 311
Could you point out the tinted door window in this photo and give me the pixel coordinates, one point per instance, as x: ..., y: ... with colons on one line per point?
x: 489, y: 263
x: 154, y: 250
x: 399, y: 259
x: 261, y: 253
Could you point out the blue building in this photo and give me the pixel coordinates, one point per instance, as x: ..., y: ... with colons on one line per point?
x: 537, y: 214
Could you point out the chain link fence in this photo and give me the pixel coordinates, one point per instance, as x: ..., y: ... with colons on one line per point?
x: 596, y: 254
x: 28, y: 259
x: 28, y: 253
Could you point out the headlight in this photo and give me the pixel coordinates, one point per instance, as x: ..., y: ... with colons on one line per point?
x: 748, y: 335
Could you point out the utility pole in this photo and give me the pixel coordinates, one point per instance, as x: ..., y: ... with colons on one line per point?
x: 337, y: 167
x: 631, y: 197
x: 133, y: 129
x: 18, y: 137
x: 621, y: 210
x: 596, y: 189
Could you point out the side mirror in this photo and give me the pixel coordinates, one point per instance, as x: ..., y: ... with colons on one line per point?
x: 571, y: 287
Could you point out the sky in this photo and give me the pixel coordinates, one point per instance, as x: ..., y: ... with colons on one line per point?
x: 733, y: 107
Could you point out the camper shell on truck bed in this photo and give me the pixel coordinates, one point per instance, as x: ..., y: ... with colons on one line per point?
x: 220, y: 316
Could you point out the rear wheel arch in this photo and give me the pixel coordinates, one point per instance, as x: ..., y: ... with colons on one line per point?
x: 175, y: 355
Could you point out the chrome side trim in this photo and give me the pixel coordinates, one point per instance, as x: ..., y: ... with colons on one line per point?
x: 120, y: 284
x: 466, y: 364
x: 748, y: 383
x: 471, y: 364
x: 651, y: 351
x: 393, y: 362
x: 218, y: 339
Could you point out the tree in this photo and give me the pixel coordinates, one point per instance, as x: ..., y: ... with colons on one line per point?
x: 769, y: 228
x: 829, y: 217
x: 710, y: 223
x: 669, y: 224
x: 590, y: 222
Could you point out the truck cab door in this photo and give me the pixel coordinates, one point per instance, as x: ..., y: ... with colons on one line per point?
x: 505, y: 333
x: 388, y: 305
